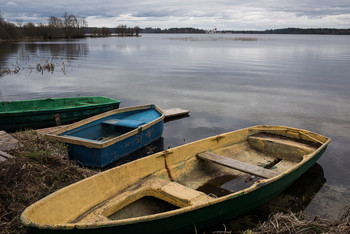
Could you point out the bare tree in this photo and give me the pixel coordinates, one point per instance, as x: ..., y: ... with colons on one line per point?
x: 105, y: 31
x: 55, y: 26
x: 55, y: 22
x: 29, y: 30
x: 19, y: 22
x: 137, y: 30
x: 70, y: 23
x: 73, y: 25
x: 2, y: 20
x: 82, y: 24
x: 121, y: 30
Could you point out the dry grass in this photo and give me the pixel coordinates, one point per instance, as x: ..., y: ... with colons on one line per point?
x: 301, y: 223
x: 246, y: 39
x: 39, y: 168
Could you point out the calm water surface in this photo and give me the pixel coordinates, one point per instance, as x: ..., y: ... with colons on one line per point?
x: 227, y: 84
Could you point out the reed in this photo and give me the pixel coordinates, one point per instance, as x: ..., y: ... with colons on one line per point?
x: 246, y: 39
x: 48, y: 65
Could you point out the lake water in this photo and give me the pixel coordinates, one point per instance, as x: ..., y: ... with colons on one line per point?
x: 301, y: 81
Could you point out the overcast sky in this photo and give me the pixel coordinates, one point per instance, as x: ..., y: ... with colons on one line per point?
x: 204, y: 14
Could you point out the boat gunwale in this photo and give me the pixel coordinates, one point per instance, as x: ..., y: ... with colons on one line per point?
x: 21, y: 112
x: 258, y: 184
x: 101, y: 145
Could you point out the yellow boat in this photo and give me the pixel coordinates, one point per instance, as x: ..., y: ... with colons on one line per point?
x: 187, y: 187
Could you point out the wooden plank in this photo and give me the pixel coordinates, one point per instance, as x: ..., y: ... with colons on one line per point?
x: 238, y: 165
x: 44, y: 131
x: 8, y: 142
x: 175, y: 112
x: 111, y: 121
x: 5, y: 155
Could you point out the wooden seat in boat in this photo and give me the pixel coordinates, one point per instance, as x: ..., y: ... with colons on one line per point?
x: 129, y: 123
x: 238, y: 165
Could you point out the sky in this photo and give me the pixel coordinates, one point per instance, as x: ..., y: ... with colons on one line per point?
x: 203, y: 14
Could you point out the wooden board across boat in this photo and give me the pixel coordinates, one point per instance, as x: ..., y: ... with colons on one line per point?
x: 42, y: 113
x: 194, y: 184
x: 107, y: 137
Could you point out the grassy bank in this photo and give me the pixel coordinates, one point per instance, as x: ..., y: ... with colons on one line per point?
x: 41, y: 167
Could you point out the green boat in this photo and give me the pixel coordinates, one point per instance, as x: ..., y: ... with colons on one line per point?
x: 185, y: 188
x: 42, y: 113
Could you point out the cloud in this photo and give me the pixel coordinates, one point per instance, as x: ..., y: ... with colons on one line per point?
x: 11, y: 4
x: 224, y: 14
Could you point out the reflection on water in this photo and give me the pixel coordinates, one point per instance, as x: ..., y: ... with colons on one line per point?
x: 300, y: 81
x: 66, y: 50
x: 6, y: 50
x: 330, y: 201
x: 296, y: 198
x: 28, y: 56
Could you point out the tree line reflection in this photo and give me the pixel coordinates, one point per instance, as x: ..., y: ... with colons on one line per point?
x: 40, y: 56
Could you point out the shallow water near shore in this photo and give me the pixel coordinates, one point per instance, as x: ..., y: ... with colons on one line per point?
x: 300, y: 81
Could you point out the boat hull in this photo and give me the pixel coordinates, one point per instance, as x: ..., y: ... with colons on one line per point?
x: 85, y: 148
x: 206, y: 216
x: 172, y: 175
x: 29, y: 115
x: 93, y: 157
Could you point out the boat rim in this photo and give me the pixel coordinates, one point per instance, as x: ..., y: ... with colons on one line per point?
x: 13, y: 112
x: 258, y: 184
x: 100, y: 145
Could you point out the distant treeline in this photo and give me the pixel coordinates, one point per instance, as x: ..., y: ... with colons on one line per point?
x: 121, y: 30
x: 173, y: 30
x: 329, y: 31
x: 69, y: 26
x: 270, y: 31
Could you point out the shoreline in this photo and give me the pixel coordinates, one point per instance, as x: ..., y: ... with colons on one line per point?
x: 267, y: 32
x: 35, y: 171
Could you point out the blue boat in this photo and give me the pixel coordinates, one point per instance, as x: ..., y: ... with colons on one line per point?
x: 107, y: 137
